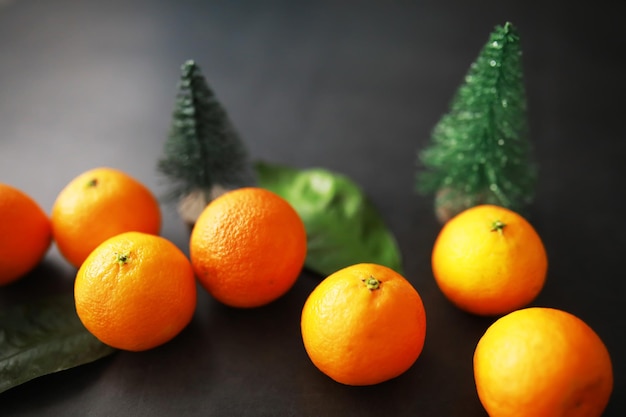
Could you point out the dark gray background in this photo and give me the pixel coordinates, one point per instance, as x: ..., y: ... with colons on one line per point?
x: 355, y: 87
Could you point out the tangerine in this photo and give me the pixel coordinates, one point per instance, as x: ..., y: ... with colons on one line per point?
x: 135, y: 291
x: 489, y: 260
x: 248, y: 247
x: 363, y: 325
x: 25, y: 234
x: 542, y: 362
x: 99, y: 204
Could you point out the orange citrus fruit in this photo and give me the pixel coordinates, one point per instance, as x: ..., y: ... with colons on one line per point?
x: 248, y: 247
x: 99, y: 204
x: 363, y: 325
x: 542, y: 362
x: 489, y: 260
x: 135, y: 291
x: 25, y: 234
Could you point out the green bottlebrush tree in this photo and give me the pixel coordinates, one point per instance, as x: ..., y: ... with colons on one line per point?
x: 204, y: 155
x: 479, y: 151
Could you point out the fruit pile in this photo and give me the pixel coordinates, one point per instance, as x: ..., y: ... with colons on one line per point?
x: 135, y: 290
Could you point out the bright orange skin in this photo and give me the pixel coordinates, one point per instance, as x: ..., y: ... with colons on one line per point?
x: 99, y: 204
x: 248, y: 247
x: 362, y: 336
x: 485, y: 271
x: 139, y: 301
x: 25, y: 234
x: 542, y: 362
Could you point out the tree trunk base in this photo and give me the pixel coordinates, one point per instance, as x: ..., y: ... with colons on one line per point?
x: 192, y: 205
x: 450, y: 202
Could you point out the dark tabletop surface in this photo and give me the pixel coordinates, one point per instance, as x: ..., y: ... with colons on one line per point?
x: 353, y: 87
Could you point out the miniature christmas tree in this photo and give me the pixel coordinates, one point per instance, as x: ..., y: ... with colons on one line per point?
x: 479, y: 151
x: 204, y: 155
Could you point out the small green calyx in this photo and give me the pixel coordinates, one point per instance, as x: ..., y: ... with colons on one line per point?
x: 371, y: 283
x: 122, y: 258
x: 498, y: 226
x: 92, y: 183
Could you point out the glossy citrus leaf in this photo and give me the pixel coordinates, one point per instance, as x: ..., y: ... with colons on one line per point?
x: 43, y: 337
x: 343, y: 227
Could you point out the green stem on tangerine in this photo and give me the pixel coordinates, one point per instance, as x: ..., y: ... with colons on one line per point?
x: 498, y: 226
x: 92, y: 182
x: 372, y: 283
x: 122, y: 258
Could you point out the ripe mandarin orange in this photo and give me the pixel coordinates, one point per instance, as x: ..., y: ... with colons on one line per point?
x: 363, y: 325
x: 99, y: 204
x: 248, y: 247
x: 489, y: 260
x: 25, y: 234
x: 135, y: 291
x: 542, y: 362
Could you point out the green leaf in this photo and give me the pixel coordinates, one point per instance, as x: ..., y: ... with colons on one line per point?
x: 343, y: 227
x: 43, y: 337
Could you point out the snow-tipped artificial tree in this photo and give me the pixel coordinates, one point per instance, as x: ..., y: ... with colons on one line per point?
x: 479, y: 151
x: 204, y: 155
